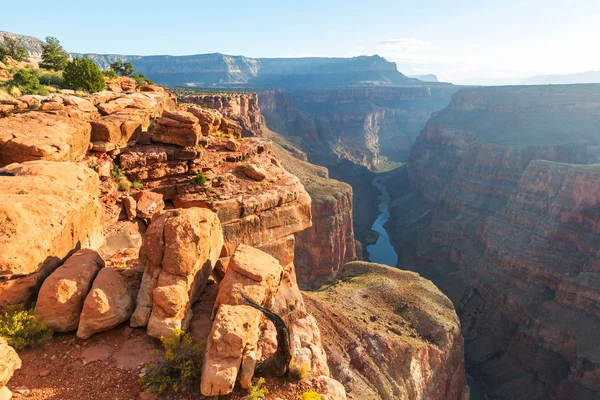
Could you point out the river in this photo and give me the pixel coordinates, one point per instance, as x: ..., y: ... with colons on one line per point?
x: 382, y: 252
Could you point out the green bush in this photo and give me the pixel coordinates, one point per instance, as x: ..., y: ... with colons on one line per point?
x: 13, y: 48
x: 257, y: 391
x: 50, y: 78
x: 21, y: 328
x: 310, y: 395
x: 137, y: 185
x: 123, y: 184
x: 140, y: 79
x: 181, y: 367
x: 199, y: 179
x: 110, y: 73
x: 53, y: 55
x: 27, y: 83
x: 83, y: 74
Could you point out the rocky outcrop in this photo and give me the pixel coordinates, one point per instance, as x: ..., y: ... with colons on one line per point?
x: 502, y: 217
x: 39, y: 136
x: 180, y: 128
x: 180, y: 250
x: 239, y: 107
x: 9, y: 363
x: 329, y: 243
x: 62, y: 294
x: 49, y: 209
x: 108, y: 304
x: 390, y: 334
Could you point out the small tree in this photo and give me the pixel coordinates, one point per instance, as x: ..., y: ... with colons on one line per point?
x: 13, y: 48
x: 83, y: 74
x: 122, y: 68
x: 53, y: 55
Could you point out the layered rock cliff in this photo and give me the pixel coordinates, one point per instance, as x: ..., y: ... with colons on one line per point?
x: 390, y: 334
x: 501, y: 214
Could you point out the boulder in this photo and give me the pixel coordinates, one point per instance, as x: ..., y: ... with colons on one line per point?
x: 210, y: 120
x: 255, y: 172
x: 152, y: 88
x: 116, y: 105
x: 179, y: 252
x: 61, y: 296
x: 233, y: 145
x: 230, y: 127
x: 5, y: 393
x: 108, y: 304
x: 40, y: 136
x: 47, y: 210
x: 9, y: 362
x: 177, y: 127
x: 231, y: 349
x: 130, y: 207
x: 148, y: 204
x: 232, y: 345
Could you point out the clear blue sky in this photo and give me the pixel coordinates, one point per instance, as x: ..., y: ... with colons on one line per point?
x: 461, y: 40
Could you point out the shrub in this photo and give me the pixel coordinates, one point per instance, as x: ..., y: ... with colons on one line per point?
x: 21, y: 328
x: 257, y: 391
x: 117, y: 172
x: 297, y: 371
x: 27, y: 83
x: 181, y: 367
x: 140, y: 79
x: 53, y: 55
x: 13, y: 48
x: 123, y: 184
x: 199, y: 179
x: 50, y: 78
x: 310, y: 395
x: 83, y: 74
x: 110, y: 73
x: 137, y: 185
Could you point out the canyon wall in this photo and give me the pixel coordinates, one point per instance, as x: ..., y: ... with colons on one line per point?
x: 498, y: 207
x: 390, y: 335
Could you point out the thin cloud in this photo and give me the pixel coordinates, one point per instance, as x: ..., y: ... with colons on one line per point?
x: 408, y: 44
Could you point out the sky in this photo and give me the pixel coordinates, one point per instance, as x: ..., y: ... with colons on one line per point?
x: 461, y: 41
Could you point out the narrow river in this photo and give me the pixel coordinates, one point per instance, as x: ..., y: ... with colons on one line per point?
x: 382, y: 252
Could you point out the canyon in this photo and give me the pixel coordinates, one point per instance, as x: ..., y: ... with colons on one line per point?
x: 158, y: 212
x: 498, y: 206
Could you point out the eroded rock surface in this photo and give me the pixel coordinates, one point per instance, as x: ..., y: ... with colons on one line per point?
x: 48, y: 210
x: 390, y: 334
x: 180, y: 250
x: 62, y: 294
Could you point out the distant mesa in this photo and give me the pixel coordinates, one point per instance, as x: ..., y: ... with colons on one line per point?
x: 425, y: 78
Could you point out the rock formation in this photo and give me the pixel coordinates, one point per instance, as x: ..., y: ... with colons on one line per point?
x: 502, y: 216
x: 390, y: 334
x: 49, y: 210
x: 239, y: 107
x: 180, y: 250
x: 62, y: 294
x: 9, y: 363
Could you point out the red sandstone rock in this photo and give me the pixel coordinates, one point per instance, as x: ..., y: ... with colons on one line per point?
x: 113, y: 106
x: 187, y: 133
x: 181, y: 248
x: 39, y: 136
x: 148, y: 204
x: 255, y: 172
x: 130, y: 207
x: 152, y: 88
x: 53, y: 205
x: 108, y: 304
x: 62, y: 294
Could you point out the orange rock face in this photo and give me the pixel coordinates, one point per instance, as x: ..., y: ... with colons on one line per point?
x: 239, y: 107
x: 62, y: 294
x: 180, y: 250
x: 40, y: 136
x: 9, y: 362
x: 50, y: 209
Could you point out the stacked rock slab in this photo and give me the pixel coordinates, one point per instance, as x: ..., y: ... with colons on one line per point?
x: 47, y: 211
x: 232, y: 344
x: 180, y: 128
x: 179, y: 252
x: 212, y: 121
x: 9, y: 363
x: 62, y: 294
x: 40, y: 136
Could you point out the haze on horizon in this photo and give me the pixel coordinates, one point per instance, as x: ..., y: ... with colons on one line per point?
x: 473, y: 42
